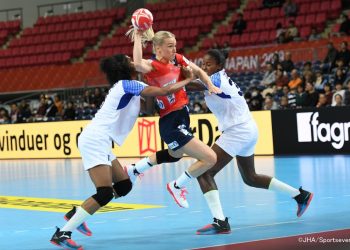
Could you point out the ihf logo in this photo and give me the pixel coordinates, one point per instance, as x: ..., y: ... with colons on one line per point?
x: 311, y: 130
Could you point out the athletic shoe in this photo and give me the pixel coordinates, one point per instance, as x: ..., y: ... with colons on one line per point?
x: 83, y: 228
x: 178, y: 194
x: 217, y: 227
x: 63, y: 239
x: 303, y: 199
x: 130, y: 170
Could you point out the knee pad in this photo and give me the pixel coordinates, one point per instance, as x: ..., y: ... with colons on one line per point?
x: 103, y: 195
x: 123, y: 187
x: 164, y: 156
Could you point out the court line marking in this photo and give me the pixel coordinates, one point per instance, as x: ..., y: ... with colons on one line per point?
x: 124, y: 219
x: 239, y: 206
x: 171, y: 214
x: 21, y: 231
x: 324, y: 198
x: 99, y: 222
x: 261, y: 204
x: 281, y: 202
x: 46, y: 228
x: 196, y: 211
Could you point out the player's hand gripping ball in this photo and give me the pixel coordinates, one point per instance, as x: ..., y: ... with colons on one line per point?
x: 142, y: 19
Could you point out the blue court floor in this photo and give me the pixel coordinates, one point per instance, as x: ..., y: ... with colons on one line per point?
x: 254, y: 213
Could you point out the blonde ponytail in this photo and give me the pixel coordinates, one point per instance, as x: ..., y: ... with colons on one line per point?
x: 147, y: 35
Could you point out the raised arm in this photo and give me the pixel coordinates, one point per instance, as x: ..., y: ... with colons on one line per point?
x: 141, y: 65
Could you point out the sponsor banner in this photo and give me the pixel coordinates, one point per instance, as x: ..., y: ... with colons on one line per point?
x: 59, y: 139
x: 61, y: 206
x: 311, y: 131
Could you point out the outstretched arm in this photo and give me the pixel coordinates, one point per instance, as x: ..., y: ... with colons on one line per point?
x: 205, y: 79
x: 172, y: 88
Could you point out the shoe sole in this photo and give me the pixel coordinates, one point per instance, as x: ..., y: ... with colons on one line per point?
x: 307, y: 205
x: 172, y: 194
x: 227, y: 232
x: 54, y: 243
x: 87, y: 234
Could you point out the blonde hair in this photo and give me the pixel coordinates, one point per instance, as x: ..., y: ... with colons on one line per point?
x: 149, y: 35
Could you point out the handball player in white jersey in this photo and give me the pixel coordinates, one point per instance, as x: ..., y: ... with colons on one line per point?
x: 238, y: 139
x: 112, y: 123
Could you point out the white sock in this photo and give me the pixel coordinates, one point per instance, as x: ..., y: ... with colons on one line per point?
x: 280, y: 186
x: 214, y: 204
x: 143, y: 165
x: 183, y: 179
x: 79, y: 217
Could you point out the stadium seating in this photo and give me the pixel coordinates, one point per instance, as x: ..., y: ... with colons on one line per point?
x: 7, y: 29
x: 261, y: 23
x: 57, y: 39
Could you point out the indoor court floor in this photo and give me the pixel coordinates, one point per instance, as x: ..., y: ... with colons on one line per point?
x: 35, y: 193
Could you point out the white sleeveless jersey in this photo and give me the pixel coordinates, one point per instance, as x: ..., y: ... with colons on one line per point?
x: 229, y: 107
x: 119, y: 112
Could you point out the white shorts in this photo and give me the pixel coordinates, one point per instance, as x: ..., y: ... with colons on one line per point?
x: 239, y: 139
x: 95, y: 148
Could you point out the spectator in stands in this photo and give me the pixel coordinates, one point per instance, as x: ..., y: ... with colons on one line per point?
x: 320, y: 81
x: 311, y: 97
x: 344, y: 28
x: 197, y: 108
x: 300, y: 96
x: 40, y: 113
x: 87, y: 99
x: 14, y: 113
x: 239, y: 25
x: 269, y: 103
x: 283, y: 102
x: 344, y: 53
x: 347, y: 95
x: 4, y: 116
x: 275, y: 60
x: 51, y: 110
x: 322, y: 101
x: 292, y: 95
x: 254, y: 99
x: 97, y: 98
x: 290, y: 8
x: 338, y: 99
x: 338, y: 91
x: 339, y: 76
x: 280, y: 33
x: 295, y: 79
x: 329, y: 60
x: 59, y: 105
x: 314, y: 36
x: 25, y: 113
x: 281, y: 78
x: 292, y: 32
x: 69, y: 112
x: 287, y: 63
x: 328, y: 93
x: 269, y: 76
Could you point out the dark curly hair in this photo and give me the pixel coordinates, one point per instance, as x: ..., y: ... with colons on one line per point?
x: 218, y: 55
x: 116, y: 68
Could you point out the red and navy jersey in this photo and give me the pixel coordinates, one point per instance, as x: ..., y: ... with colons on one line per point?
x: 163, y: 75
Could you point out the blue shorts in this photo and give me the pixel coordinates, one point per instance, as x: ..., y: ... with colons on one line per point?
x: 174, y: 128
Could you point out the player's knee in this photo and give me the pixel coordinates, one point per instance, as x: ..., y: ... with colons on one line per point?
x: 250, y: 180
x: 211, y: 159
x: 103, y: 195
x: 164, y: 156
x: 123, y: 187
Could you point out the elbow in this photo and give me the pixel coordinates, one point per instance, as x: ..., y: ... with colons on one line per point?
x: 138, y: 66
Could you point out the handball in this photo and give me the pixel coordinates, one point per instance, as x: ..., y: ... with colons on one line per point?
x: 142, y: 19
